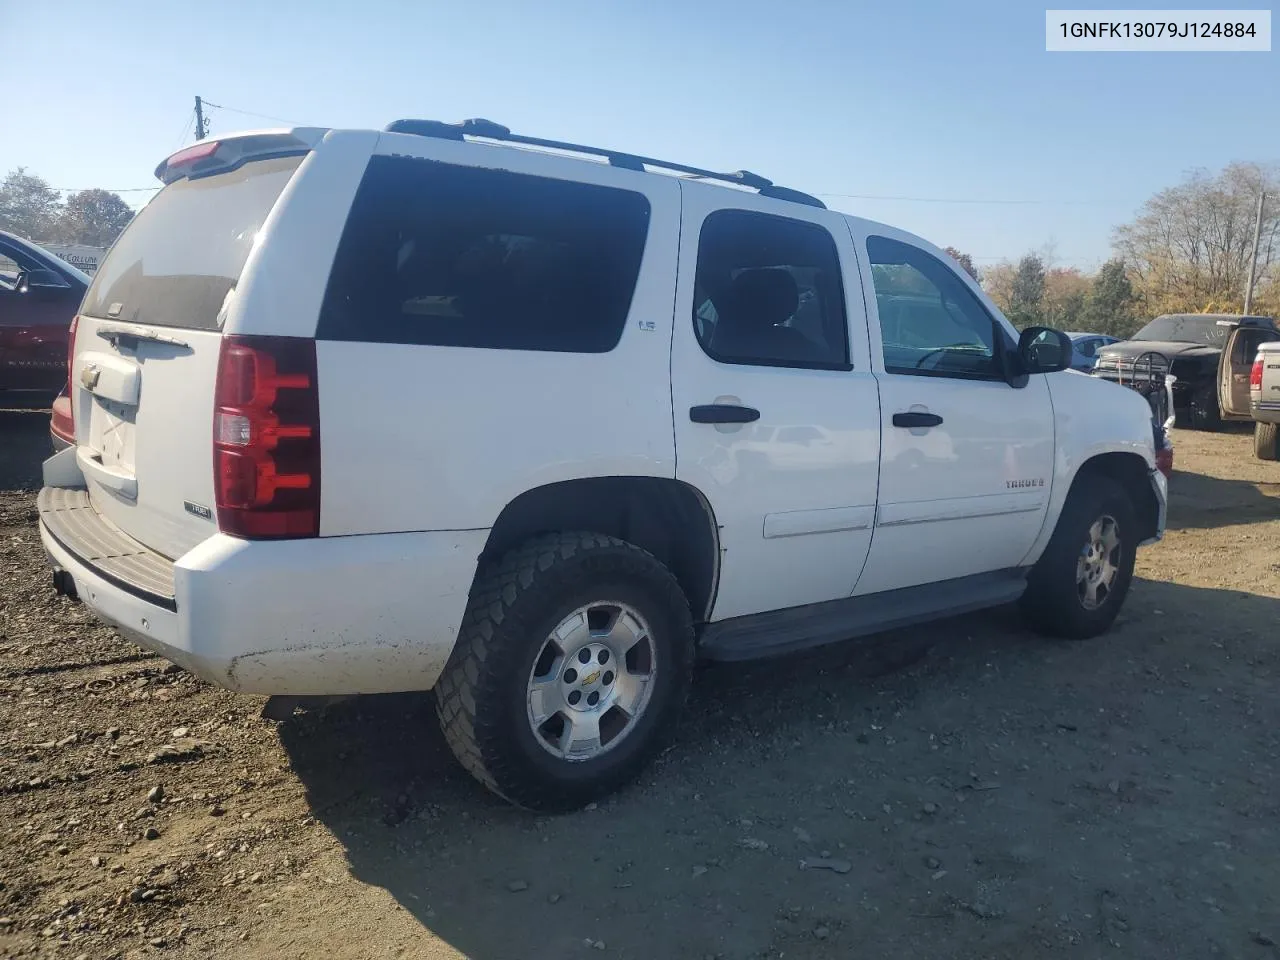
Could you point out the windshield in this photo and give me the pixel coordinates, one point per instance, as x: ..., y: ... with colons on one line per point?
x: 1186, y: 328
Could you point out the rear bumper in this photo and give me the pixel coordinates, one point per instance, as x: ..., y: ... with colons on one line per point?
x: 61, y: 426
x: 323, y: 616
x: 1265, y: 412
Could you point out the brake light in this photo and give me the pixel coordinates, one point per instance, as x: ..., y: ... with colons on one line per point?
x: 192, y: 154
x: 266, y: 438
x: 1255, y: 375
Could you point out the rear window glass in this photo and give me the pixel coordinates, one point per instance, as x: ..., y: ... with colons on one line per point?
x: 467, y: 257
x: 176, y: 262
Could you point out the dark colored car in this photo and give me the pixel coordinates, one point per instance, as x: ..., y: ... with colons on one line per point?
x: 39, y: 296
x: 1190, y: 346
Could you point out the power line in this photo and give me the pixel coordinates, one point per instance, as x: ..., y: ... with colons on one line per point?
x: 191, y: 116
x: 250, y: 113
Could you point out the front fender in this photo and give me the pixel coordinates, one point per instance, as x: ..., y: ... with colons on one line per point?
x: 1093, y: 417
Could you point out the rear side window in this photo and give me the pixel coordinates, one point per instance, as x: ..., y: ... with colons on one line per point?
x: 767, y: 292
x: 181, y: 256
x: 469, y: 257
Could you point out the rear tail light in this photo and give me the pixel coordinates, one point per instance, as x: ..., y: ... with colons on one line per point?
x: 1164, y: 449
x: 71, y: 361
x: 266, y: 438
x: 1255, y: 375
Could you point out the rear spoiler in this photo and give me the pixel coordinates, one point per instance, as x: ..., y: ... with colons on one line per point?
x: 227, y: 153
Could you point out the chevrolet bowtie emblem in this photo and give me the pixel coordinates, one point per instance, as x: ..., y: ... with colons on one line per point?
x: 89, y: 376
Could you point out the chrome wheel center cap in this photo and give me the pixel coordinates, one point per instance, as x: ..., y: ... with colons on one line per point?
x: 587, y: 678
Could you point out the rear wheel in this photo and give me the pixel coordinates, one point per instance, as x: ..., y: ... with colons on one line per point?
x: 1266, y: 445
x: 570, y: 670
x: 1077, y: 587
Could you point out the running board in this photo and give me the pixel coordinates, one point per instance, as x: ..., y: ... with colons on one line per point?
x: 798, y: 628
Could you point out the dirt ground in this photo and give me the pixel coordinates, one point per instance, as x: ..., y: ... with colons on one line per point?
x: 982, y: 792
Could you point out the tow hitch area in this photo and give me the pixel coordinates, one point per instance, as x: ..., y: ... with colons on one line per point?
x: 64, y: 585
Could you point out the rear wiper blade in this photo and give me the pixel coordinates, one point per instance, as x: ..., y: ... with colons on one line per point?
x: 114, y: 334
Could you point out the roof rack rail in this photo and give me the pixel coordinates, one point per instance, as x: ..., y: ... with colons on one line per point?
x: 488, y: 130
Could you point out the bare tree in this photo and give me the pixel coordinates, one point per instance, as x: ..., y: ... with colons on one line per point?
x: 1189, y: 247
x: 997, y: 281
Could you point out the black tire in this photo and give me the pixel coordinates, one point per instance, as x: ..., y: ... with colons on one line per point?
x: 1266, y: 445
x: 481, y: 697
x: 1204, y: 413
x: 1052, y: 603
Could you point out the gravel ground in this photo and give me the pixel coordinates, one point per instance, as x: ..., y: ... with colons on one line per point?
x: 966, y: 790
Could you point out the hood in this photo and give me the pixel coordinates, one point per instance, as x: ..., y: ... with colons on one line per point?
x: 1132, y: 349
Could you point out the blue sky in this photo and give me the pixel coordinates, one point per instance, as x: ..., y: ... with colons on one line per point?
x: 929, y: 99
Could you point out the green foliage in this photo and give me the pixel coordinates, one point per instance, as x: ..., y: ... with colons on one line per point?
x: 1066, y: 291
x: 1026, y: 296
x: 1111, y: 305
x: 29, y: 207
x: 93, y: 217
x: 34, y: 210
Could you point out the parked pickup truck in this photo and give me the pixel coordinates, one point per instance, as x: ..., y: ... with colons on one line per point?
x: 1264, y: 401
x: 1208, y: 355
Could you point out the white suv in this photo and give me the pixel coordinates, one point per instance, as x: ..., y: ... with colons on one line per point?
x: 536, y: 425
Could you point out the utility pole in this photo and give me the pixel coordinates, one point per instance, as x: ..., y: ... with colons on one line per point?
x: 1253, y: 260
x: 200, y: 128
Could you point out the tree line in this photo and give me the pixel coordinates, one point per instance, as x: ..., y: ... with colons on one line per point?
x: 36, y: 211
x: 1188, y: 250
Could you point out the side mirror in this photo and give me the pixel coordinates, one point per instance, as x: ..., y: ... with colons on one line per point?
x: 1044, y: 350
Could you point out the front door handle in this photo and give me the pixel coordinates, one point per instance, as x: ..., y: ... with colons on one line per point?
x: 916, y: 419
x: 723, y: 413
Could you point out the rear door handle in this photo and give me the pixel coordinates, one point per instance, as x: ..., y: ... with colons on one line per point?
x: 916, y: 419
x: 723, y: 413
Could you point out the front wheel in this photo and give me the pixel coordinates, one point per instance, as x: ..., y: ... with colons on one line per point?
x: 570, y: 670
x: 1079, y: 584
x: 1265, y: 445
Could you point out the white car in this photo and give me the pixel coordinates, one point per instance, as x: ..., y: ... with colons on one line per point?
x: 1085, y: 348
x: 536, y: 425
